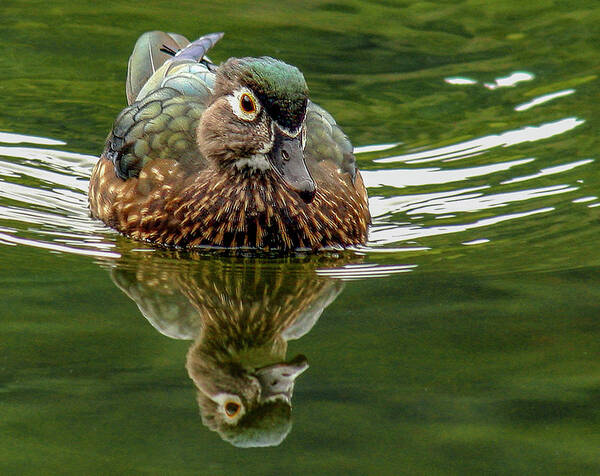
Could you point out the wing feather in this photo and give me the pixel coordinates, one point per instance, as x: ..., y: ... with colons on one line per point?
x: 325, y: 140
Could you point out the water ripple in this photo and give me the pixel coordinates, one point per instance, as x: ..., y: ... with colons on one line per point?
x: 482, y: 144
x: 43, y: 201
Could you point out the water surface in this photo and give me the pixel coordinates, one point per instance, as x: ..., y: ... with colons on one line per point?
x: 463, y: 339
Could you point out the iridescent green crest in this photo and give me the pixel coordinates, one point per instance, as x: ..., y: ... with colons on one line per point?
x: 280, y: 87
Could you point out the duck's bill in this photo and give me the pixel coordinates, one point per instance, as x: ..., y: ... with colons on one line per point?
x: 277, y: 380
x: 287, y: 159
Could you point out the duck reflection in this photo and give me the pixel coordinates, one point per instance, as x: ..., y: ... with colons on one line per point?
x: 240, y: 313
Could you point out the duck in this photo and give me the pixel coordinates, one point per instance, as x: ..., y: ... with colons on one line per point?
x: 239, y: 313
x: 232, y: 156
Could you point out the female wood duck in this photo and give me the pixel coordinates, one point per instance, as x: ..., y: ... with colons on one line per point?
x: 240, y: 313
x: 232, y: 156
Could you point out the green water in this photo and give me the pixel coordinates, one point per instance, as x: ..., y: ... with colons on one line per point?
x: 464, y: 339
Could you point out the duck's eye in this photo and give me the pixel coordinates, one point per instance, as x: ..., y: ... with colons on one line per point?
x: 232, y: 409
x: 244, y: 104
x: 247, y: 104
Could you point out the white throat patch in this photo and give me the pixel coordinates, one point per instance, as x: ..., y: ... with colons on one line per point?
x: 257, y: 162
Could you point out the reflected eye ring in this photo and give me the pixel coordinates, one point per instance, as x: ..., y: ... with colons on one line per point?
x: 232, y: 409
x: 247, y: 103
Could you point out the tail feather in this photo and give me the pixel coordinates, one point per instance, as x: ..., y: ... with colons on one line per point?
x: 154, y: 48
x: 147, y: 57
x: 197, y: 49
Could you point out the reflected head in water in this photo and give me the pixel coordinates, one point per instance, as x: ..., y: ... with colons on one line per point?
x: 240, y: 313
x: 247, y: 407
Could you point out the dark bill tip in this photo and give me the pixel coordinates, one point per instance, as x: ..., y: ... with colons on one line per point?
x: 307, y: 193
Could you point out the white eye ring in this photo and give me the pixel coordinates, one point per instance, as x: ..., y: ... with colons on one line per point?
x: 225, y: 399
x: 236, y: 101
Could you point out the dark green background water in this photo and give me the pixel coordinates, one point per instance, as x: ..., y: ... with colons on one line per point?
x: 481, y: 358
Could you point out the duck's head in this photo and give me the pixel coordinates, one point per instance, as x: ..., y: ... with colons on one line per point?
x: 255, y: 121
x: 247, y: 407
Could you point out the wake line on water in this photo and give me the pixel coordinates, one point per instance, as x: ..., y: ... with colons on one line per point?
x: 43, y: 195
